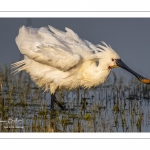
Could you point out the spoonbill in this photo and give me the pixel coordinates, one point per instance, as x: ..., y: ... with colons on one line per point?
x: 62, y: 60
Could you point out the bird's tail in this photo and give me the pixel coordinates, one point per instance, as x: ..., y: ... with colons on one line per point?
x: 18, y: 66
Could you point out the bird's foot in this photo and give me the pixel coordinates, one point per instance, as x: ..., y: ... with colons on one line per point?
x: 59, y: 104
x: 54, y: 100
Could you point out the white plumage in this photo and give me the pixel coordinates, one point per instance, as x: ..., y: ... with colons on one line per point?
x: 56, y: 59
x: 62, y: 60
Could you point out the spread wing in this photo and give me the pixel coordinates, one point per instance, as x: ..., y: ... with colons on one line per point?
x: 44, y: 47
x: 50, y: 46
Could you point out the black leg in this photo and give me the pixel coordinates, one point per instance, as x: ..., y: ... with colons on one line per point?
x: 54, y: 100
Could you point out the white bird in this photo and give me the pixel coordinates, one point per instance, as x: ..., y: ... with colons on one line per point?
x: 62, y: 60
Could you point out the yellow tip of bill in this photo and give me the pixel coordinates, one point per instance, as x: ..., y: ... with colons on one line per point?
x: 147, y: 81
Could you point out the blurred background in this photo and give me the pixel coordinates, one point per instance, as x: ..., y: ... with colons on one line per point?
x: 129, y: 37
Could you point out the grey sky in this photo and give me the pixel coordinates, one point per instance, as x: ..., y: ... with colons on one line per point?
x: 129, y: 37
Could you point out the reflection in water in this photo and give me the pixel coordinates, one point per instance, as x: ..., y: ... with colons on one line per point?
x: 116, y: 106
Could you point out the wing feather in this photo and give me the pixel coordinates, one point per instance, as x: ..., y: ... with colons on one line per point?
x: 50, y: 46
x: 44, y: 47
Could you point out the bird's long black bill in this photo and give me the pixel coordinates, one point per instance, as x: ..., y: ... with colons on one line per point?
x: 121, y: 64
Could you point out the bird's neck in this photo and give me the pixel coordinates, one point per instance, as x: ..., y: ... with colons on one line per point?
x: 93, y: 74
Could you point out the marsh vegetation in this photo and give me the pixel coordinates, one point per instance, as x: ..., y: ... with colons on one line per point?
x: 115, y: 106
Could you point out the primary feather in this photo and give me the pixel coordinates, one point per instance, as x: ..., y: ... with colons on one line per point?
x: 56, y: 59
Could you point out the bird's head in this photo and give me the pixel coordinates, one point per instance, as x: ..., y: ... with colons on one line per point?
x: 110, y: 59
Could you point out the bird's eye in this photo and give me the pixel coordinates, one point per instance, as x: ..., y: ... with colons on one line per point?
x: 112, y: 59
